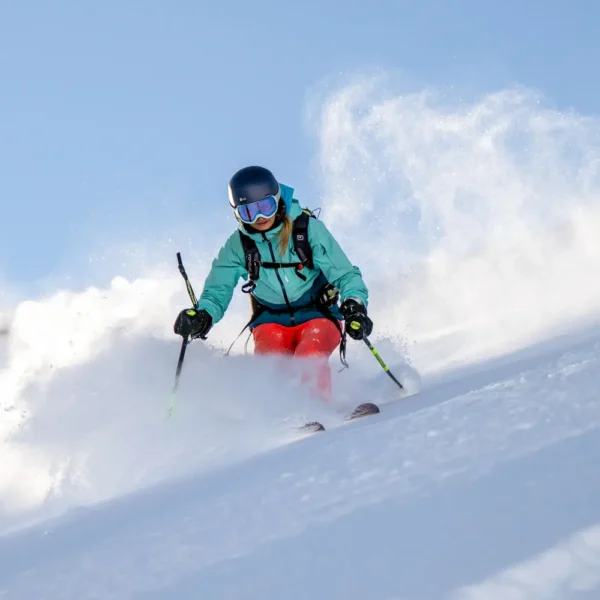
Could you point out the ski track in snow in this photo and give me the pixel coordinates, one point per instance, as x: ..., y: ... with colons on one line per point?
x: 418, y: 485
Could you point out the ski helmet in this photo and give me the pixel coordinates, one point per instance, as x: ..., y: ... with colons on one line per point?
x: 251, y: 184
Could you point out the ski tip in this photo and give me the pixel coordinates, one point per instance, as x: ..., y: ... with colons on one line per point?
x: 365, y: 409
x: 312, y: 427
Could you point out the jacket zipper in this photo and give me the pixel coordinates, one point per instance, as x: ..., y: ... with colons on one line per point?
x: 285, y: 296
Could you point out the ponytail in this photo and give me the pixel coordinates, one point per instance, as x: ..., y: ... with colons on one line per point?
x: 285, y: 233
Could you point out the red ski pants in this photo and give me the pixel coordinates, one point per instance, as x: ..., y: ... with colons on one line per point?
x: 315, y: 339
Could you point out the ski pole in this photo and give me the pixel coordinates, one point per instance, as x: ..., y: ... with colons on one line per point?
x: 356, y: 325
x: 177, y: 374
x: 185, y: 341
x: 380, y: 361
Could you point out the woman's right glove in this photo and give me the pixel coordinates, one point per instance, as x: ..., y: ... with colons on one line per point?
x: 193, y: 323
x: 358, y: 323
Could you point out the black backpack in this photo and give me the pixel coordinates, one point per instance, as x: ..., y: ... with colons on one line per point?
x: 301, y: 246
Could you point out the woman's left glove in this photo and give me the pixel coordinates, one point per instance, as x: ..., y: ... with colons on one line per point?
x: 358, y: 323
x: 193, y: 323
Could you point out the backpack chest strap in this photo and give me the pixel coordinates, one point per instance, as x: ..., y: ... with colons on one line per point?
x: 301, y: 246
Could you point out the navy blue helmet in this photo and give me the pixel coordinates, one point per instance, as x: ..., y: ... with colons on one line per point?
x: 251, y: 184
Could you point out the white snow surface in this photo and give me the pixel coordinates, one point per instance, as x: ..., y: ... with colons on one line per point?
x: 484, y: 487
x: 481, y: 483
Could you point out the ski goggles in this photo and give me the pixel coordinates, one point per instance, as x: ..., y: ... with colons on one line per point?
x: 265, y: 208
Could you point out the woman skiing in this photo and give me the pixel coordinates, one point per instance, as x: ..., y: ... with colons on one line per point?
x: 296, y: 273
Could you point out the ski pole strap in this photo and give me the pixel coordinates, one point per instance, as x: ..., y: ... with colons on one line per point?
x: 187, y: 281
x: 380, y: 361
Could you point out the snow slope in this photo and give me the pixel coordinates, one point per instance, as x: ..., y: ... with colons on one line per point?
x: 481, y: 486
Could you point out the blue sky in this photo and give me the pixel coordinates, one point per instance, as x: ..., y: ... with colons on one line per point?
x: 122, y: 118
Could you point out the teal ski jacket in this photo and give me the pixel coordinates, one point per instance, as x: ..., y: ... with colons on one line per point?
x: 274, y: 286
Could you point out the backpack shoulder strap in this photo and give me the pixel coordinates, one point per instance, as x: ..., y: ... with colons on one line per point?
x: 301, y: 246
x: 300, y: 237
x: 252, y: 257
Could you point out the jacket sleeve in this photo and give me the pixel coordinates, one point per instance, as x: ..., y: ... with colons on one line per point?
x: 225, y: 272
x: 335, y: 265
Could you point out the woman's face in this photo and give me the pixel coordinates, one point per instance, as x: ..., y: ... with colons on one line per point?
x: 262, y: 224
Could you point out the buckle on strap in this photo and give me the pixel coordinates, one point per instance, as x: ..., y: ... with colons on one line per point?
x: 248, y: 287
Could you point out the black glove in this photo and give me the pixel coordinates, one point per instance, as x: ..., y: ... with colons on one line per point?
x: 358, y: 323
x: 193, y: 323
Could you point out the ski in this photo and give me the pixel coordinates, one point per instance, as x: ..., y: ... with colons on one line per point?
x: 312, y: 427
x: 364, y: 410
